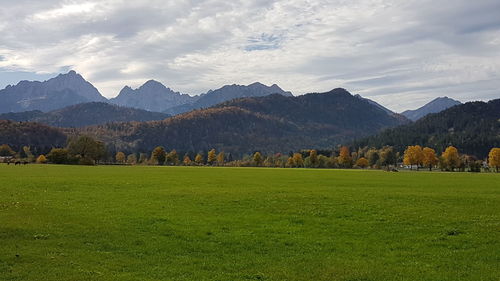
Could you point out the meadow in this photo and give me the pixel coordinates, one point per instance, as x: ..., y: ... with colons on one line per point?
x: 202, y: 223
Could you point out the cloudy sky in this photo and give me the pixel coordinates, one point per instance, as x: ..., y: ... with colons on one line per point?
x: 399, y: 53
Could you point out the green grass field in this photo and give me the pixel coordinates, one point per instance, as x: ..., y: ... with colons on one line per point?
x: 195, y: 223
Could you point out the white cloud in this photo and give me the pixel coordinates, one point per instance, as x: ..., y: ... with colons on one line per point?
x: 400, y: 53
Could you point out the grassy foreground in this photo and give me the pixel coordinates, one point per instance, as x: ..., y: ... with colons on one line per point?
x: 189, y: 223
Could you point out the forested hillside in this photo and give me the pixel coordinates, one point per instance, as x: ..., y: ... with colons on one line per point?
x: 86, y: 114
x: 39, y: 137
x: 268, y: 124
x: 473, y: 128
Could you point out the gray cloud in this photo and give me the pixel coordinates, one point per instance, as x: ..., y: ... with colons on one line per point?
x: 399, y: 53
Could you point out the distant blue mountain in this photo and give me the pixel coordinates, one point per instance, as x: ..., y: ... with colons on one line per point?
x: 63, y: 90
x: 435, y: 106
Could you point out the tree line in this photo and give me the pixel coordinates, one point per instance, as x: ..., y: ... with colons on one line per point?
x: 85, y: 150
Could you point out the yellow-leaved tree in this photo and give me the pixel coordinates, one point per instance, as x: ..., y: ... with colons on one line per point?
x: 494, y: 158
x: 451, y: 159
x: 198, y: 159
x: 120, y: 157
x: 41, y: 159
x: 257, y: 158
x: 429, y: 158
x: 212, y: 157
x: 220, y: 158
x: 362, y: 162
x: 413, y: 156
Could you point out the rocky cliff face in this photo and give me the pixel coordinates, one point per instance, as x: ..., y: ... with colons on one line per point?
x: 63, y: 90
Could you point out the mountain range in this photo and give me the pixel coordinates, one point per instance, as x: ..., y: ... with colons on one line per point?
x: 235, y: 118
x: 71, y: 88
x: 151, y: 96
x: 227, y: 93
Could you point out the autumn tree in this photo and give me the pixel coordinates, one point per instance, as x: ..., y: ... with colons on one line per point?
x: 211, y: 157
x: 158, y: 155
x: 220, y: 158
x: 268, y: 162
x: 298, y: 161
x: 451, y: 158
x: 41, y: 159
x: 344, y: 158
x: 372, y: 156
x: 289, y: 162
x: 494, y: 158
x: 172, y: 158
x: 132, y: 159
x: 120, y: 157
x: 413, y: 156
x: 313, y: 158
x: 429, y: 158
x: 362, y: 162
x: 186, y: 161
x: 199, y: 159
x: 5, y: 150
x: 257, y: 158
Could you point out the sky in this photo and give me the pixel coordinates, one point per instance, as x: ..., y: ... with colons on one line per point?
x: 401, y: 54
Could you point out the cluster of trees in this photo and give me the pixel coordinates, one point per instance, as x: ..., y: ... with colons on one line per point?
x: 449, y: 160
x: 386, y: 157
x: 86, y: 150
x: 79, y: 150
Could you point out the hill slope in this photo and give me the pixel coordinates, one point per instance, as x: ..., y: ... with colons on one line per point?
x: 229, y: 92
x: 473, y: 127
x: 268, y: 124
x: 63, y: 90
x: 39, y: 137
x: 152, y: 96
x: 434, y: 106
x: 86, y: 114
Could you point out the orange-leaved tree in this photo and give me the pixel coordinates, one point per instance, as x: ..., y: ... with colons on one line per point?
x: 429, y: 158
x: 344, y: 158
x: 220, y: 158
x: 494, y: 158
x: 187, y: 160
x: 297, y: 160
